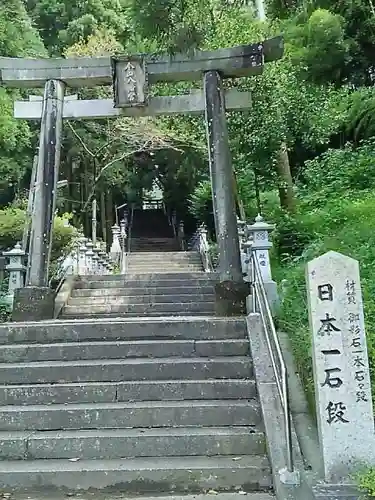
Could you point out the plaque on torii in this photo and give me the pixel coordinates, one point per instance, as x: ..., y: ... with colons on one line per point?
x: 131, y: 77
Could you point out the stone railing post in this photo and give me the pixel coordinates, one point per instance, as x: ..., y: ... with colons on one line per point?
x: 102, y: 262
x: 82, y: 268
x: 242, y: 236
x: 261, y: 244
x: 89, y: 257
x: 16, y: 271
x: 95, y: 260
x: 123, y: 246
x: 115, y: 250
x: 181, y: 235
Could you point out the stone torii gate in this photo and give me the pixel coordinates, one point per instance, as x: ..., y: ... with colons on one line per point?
x: 131, y: 77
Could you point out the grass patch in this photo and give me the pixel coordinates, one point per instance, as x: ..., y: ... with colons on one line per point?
x: 344, y: 226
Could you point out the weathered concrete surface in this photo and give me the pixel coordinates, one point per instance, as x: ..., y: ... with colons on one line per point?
x: 128, y: 443
x: 123, y: 329
x: 337, y: 492
x: 82, y: 398
x: 129, y: 369
x: 168, y: 298
x: 149, y: 291
x: 63, y: 295
x: 172, y: 474
x: 273, y: 416
x: 120, y: 496
x: 149, y: 309
x: 110, y: 392
x: 95, y: 109
x: 33, y: 304
x: 74, y: 351
x: 90, y: 72
x: 130, y: 415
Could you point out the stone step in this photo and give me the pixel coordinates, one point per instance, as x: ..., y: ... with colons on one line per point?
x: 143, y: 281
x: 178, y: 328
x: 97, y: 495
x: 149, y: 314
x: 24, y: 353
x: 162, y: 268
x: 142, y: 475
x: 117, y: 370
x: 145, y: 414
x: 210, y: 277
x: 160, y: 261
x: 128, y: 292
x: 164, y: 257
x: 178, y: 254
x: 129, y: 443
x: 111, y: 392
x: 141, y: 299
x: 154, y: 309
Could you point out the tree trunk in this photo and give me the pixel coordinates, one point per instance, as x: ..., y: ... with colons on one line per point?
x: 286, y: 191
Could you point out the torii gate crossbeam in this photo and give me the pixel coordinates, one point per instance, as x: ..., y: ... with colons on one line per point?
x: 131, y: 77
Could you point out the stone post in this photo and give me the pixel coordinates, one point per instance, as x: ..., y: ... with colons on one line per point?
x: 123, y: 246
x: 16, y: 271
x: 95, y: 261
x: 261, y: 244
x: 37, y: 299
x: 181, y: 235
x: 343, y: 396
x: 94, y: 220
x: 202, y: 245
x: 102, y: 262
x: 231, y: 291
x: 115, y: 250
x: 89, y: 257
x: 82, y: 270
x: 242, y: 233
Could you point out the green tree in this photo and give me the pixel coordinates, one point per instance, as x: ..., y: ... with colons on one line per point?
x: 62, y: 23
x: 18, y: 38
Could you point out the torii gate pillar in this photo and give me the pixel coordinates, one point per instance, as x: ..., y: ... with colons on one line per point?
x: 37, y: 290
x: 231, y: 291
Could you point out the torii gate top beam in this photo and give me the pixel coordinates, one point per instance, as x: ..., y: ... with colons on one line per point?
x: 244, y: 60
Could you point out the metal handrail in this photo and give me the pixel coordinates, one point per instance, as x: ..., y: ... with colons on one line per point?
x: 260, y: 297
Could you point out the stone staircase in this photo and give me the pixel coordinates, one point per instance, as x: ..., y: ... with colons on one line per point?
x: 157, y: 284
x: 157, y: 396
x: 142, y: 295
x: 151, y: 405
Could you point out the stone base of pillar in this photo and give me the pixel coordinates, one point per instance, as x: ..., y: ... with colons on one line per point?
x: 230, y: 298
x: 33, y: 304
x: 271, y: 290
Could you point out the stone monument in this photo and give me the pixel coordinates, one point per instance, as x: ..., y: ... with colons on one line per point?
x: 341, y: 369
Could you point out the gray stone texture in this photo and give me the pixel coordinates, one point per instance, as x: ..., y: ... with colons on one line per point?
x: 132, y: 405
x: 341, y: 371
x: 140, y: 476
x: 33, y: 304
x: 80, y: 72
